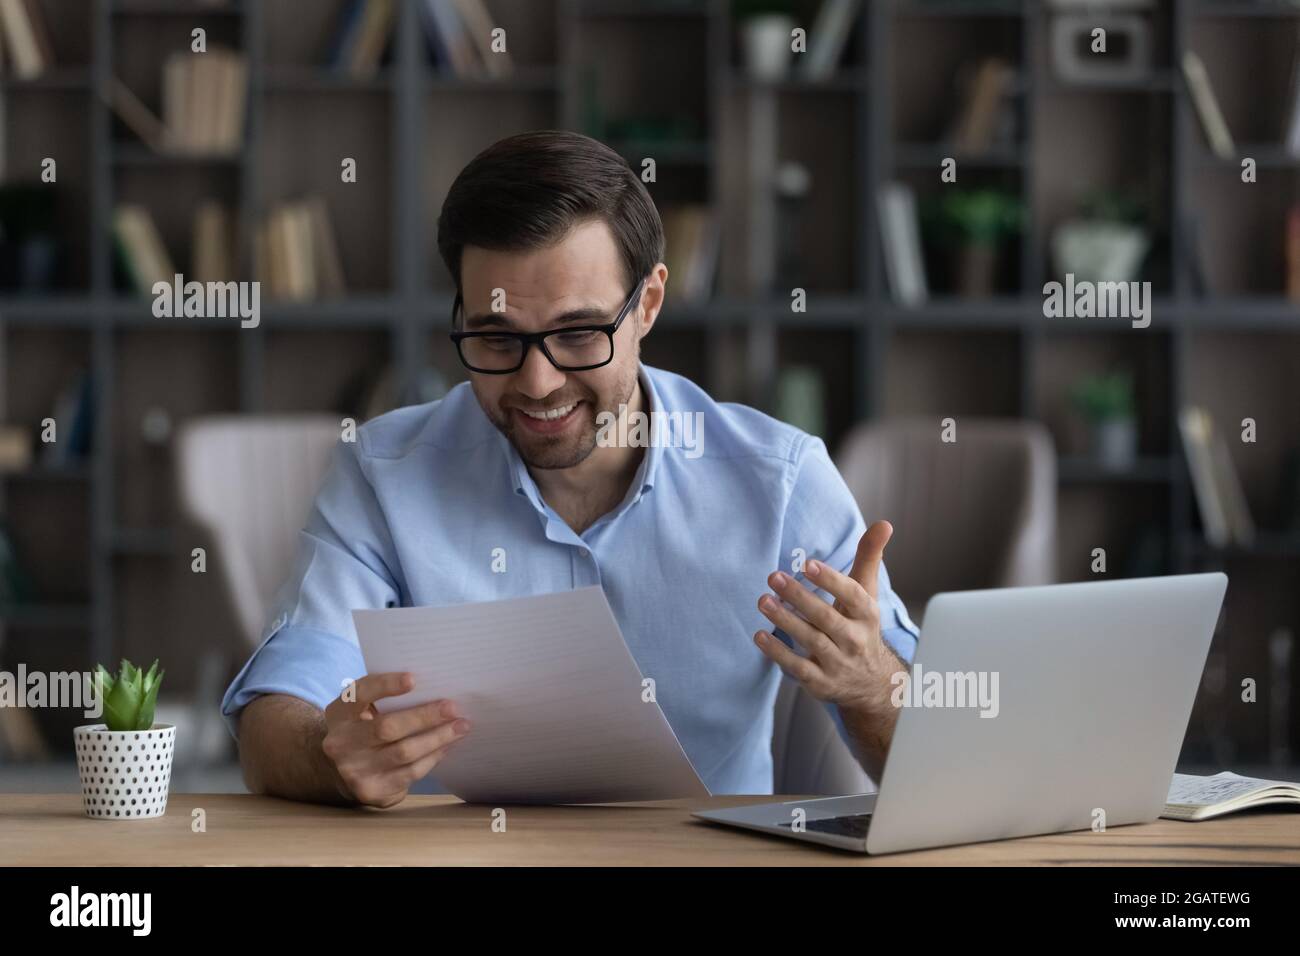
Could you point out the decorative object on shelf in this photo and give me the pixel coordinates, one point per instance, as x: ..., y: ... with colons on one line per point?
x: 1106, y: 403
x: 125, y: 763
x: 29, y: 249
x: 971, y: 227
x: 793, y: 183
x: 1225, y: 515
x: 765, y: 27
x: 1107, y: 243
x: 156, y: 426
x: 15, y: 448
x: 801, y: 399
x: 1080, y: 56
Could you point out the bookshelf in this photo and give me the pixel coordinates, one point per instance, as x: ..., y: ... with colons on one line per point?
x: 102, y: 534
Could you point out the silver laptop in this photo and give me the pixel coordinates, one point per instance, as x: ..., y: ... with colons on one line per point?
x: 1029, y: 710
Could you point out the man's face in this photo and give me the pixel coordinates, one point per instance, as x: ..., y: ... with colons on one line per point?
x: 578, y: 281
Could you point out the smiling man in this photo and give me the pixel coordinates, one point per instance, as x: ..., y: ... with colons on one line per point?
x: 557, y: 252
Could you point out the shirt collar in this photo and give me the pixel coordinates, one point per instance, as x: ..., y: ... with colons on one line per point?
x: 645, y: 475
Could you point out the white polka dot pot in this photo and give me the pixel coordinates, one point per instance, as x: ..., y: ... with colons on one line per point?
x: 125, y: 773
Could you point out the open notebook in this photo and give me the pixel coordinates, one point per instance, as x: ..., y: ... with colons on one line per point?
x: 1200, y: 798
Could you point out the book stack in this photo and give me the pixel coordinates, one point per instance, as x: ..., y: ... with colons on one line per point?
x: 144, y: 257
x: 691, y: 241
x: 203, y: 101
x: 359, y: 42
x: 27, y: 40
x: 297, y: 253
x: 460, y: 39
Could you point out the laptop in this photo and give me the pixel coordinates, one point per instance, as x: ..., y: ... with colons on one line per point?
x: 1028, y: 710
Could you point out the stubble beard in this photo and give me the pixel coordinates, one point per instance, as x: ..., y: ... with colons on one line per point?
x: 569, y: 450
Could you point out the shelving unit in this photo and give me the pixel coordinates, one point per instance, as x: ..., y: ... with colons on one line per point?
x: 878, y: 116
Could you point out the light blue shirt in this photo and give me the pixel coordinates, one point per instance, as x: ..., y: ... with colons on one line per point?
x: 412, y: 511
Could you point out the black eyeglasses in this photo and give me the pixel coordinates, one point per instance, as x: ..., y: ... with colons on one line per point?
x: 574, y: 349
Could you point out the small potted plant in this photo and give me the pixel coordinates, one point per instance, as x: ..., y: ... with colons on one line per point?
x: 1106, y: 403
x: 971, y: 228
x: 765, y: 27
x: 125, y: 763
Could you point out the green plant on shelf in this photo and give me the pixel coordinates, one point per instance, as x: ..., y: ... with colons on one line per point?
x: 1107, y: 397
x: 130, y: 698
x: 980, y: 217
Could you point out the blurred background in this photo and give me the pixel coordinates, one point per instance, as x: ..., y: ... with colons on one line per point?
x: 858, y: 233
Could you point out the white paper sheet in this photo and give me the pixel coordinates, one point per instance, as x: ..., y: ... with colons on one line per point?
x: 552, y: 693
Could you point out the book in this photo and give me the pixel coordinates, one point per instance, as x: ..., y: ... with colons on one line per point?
x: 447, y: 32
x: 1225, y: 513
x: 372, y: 40
x: 327, y: 263
x: 143, y: 253
x: 24, y: 34
x: 339, y: 53
x: 977, y: 120
x: 139, y: 118
x: 1202, y: 798
x: 204, y: 97
x: 1207, y: 105
x: 213, y: 244
x: 1194, y: 426
x: 828, y: 37
x: 901, y: 235
x: 479, y: 25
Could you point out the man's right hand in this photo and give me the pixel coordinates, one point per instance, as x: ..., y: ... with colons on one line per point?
x: 378, y: 756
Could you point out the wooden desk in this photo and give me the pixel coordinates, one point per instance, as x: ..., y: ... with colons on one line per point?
x: 51, y: 830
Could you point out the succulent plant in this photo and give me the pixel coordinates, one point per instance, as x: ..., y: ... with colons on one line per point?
x: 130, y: 698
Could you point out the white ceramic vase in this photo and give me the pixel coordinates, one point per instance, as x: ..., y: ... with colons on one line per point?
x: 125, y: 774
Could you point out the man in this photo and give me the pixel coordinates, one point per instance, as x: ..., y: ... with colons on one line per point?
x: 557, y: 253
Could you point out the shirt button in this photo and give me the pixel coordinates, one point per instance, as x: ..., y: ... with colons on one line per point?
x: 583, y: 552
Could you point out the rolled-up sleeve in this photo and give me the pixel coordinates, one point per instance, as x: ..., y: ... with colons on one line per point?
x: 345, y: 560
x: 823, y: 520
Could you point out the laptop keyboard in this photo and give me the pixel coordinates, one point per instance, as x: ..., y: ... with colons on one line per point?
x: 854, y: 826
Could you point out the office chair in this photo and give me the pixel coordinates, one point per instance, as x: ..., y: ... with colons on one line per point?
x: 979, y: 512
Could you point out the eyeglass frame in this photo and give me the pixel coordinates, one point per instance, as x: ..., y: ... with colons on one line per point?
x: 528, y: 339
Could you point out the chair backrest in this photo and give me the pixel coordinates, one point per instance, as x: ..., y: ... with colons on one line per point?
x: 248, y: 481
x: 979, y: 512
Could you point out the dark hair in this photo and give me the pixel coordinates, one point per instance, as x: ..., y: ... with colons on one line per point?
x: 527, y: 191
